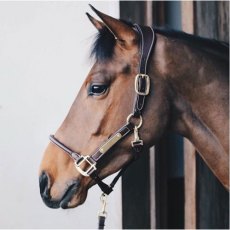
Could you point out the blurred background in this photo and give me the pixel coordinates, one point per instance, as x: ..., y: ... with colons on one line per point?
x: 44, y: 58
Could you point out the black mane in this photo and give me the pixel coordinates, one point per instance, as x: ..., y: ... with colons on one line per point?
x: 103, y: 47
x: 214, y: 46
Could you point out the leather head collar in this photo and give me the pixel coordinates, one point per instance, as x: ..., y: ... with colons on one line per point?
x: 142, y: 88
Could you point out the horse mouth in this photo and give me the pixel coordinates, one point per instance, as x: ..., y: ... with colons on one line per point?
x: 65, y: 201
x: 68, y: 195
x: 71, y: 197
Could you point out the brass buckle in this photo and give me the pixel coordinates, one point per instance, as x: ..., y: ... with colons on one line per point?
x: 147, y: 87
x: 91, y: 167
x: 131, y: 115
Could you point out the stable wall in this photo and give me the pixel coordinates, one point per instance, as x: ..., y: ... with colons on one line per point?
x: 44, y: 50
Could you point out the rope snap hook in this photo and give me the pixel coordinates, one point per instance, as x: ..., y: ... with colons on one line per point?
x: 102, y: 213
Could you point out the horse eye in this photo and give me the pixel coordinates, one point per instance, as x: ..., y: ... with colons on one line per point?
x: 97, y: 90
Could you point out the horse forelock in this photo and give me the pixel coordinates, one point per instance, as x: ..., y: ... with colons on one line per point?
x: 104, y: 43
x: 103, y: 46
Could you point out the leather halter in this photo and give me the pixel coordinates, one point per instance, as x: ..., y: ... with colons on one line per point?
x: 86, y: 165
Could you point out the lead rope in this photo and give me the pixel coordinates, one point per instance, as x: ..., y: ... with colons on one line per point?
x: 102, y: 213
x: 137, y: 145
x: 109, y: 188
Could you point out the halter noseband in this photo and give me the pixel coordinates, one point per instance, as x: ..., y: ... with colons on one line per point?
x: 86, y: 165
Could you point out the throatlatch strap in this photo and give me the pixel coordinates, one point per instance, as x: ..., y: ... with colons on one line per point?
x: 107, y: 189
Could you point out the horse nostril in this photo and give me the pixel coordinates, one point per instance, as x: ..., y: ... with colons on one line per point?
x: 43, y: 181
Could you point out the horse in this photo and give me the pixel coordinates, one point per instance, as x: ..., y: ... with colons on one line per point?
x: 188, y: 95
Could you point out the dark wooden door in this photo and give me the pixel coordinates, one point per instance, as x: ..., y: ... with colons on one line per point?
x: 212, y: 21
x: 209, y: 201
x: 136, y: 181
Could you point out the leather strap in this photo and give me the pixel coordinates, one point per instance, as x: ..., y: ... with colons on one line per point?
x: 147, y: 40
x: 116, y: 137
x: 75, y: 156
x: 146, y: 43
x: 101, y: 222
x: 107, y: 189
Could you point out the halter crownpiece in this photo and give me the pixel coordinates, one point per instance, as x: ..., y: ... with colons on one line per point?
x: 86, y: 165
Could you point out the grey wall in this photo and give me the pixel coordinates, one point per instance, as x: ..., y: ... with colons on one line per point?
x: 43, y: 61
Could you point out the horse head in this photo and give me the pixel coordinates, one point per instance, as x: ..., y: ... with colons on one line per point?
x: 101, y: 107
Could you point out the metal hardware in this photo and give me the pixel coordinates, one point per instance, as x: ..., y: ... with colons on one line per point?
x: 147, y: 84
x: 103, y: 199
x: 137, y: 140
x: 132, y: 115
x: 91, y: 167
x: 104, y: 148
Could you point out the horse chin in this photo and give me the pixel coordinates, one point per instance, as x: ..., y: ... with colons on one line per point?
x: 73, y: 198
x: 74, y: 201
x: 67, y: 202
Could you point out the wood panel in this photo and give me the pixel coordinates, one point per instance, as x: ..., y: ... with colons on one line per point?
x: 136, y: 198
x: 169, y: 182
x: 190, y: 185
x: 187, y: 19
x: 169, y: 151
x: 206, y: 201
x: 212, y: 21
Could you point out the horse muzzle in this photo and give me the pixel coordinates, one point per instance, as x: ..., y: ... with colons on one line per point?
x: 65, y: 200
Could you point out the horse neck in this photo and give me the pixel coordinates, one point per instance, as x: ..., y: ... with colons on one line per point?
x: 198, y: 86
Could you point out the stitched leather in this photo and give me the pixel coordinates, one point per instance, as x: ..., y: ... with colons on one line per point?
x: 147, y: 40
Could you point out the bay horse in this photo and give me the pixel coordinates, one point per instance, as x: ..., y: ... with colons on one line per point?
x: 188, y: 95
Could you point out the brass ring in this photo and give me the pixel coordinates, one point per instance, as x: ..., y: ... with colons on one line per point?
x: 132, y: 115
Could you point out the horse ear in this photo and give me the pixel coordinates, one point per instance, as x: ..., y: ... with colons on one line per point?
x: 121, y: 31
x: 98, y: 24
